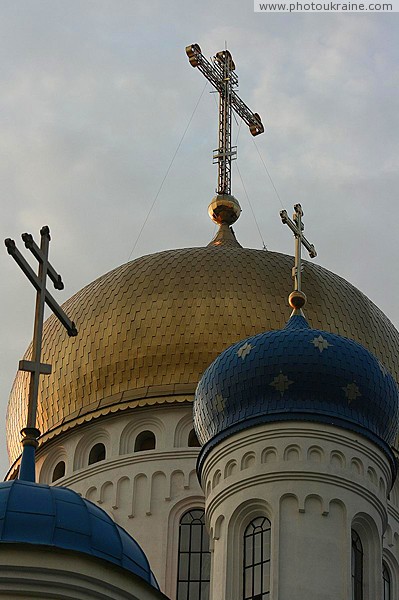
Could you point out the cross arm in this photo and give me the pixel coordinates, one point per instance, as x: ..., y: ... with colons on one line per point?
x: 295, y: 230
x: 197, y: 59
x: 50, y: 301
x: 214, y: 74
x: 38, y: 254
x: 31, y: 366
x: 253, y: 120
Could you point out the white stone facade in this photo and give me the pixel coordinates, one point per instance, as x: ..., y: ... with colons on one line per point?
x: 36, y: 573
x: 315, y: 483
x: 145, y: 492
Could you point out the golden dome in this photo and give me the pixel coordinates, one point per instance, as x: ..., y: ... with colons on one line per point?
x: 148, y: 330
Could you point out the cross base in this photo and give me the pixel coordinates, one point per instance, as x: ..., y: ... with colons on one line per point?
x: 34, y: 367
x: 30, y: 436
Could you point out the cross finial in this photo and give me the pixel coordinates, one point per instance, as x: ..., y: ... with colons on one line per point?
x: 30, y: 433
x: 298, y: 299
x: 224, y: 208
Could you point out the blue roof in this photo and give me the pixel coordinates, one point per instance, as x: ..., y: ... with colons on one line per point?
x: 297, y: 374
x: 32, y: 513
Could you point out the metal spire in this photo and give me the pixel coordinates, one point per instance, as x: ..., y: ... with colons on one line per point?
x: 30, y: 433
x: 298, y: 299
x: 221, y: 75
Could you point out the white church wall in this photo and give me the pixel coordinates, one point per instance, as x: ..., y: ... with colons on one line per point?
x: 139, y: 490
x: 321, y: 478
x: 391, y: 541
x: 315, y: 483
x: 35, y: 572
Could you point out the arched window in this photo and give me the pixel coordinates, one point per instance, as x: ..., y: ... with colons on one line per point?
x: 257, y: 560
x: 386, y: 578
x: 193, y: 574
x: 59, y: 471
x: 97, y: 453
x: 193, y: 440
x: 144, y: 441
x: 357, y: 567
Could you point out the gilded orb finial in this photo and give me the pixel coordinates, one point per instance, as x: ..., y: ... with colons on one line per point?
x: 297, y: 300
x: 224, y: 208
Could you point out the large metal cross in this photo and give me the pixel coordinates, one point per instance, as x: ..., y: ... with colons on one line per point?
x: 221, y: 75
x: 297, y: 228
x: 43, y: 296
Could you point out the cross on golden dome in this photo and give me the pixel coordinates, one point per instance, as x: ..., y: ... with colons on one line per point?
x: 224, y: 208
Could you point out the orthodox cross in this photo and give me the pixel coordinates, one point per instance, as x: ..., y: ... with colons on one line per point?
x: 43, y: 296
x: 297, y: 227
x: 221, y: 75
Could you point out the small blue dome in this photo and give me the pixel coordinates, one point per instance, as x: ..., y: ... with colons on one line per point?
x: 32, y: 513
x: 296, y: 374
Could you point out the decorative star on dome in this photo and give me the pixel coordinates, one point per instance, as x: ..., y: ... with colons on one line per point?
x: 281, y: 383
x: 244, y: 350
x: 220, y: 403
x: 351, y: 391
x: 320, y: 343
x: 383, y: 369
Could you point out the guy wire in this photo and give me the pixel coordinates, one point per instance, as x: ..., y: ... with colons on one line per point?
x: 167, y: 171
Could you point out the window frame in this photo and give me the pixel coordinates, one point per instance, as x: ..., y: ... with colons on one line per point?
x: 192, y: 440
x: 57, y: 466
x: 258, y: 527
x: 357, y: 566
x: 142, y: 438
x: 96, y: 445
x: 186, y: 528
x: 386, y: 582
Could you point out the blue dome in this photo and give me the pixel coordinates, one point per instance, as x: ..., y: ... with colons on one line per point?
x: 32, y: 513
x: 296, y: 374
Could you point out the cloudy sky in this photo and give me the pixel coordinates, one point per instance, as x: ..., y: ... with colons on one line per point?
x: 96, y: 95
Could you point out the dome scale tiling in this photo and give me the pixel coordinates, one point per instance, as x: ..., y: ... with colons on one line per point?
x: 149, y: 329
x: 297, y: 374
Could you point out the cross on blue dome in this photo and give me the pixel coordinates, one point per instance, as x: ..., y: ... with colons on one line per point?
x: 297, y: 374
x: 57, y: 517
